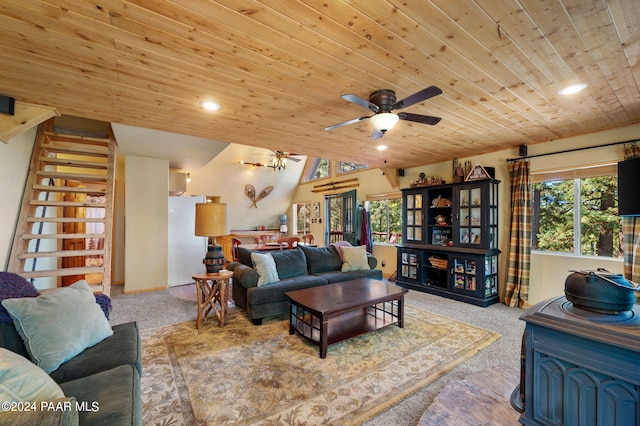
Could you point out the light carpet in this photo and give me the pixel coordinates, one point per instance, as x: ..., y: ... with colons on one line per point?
x: 246, y: 374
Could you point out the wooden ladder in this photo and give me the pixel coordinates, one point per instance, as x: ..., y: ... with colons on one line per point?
x: 64, y: 230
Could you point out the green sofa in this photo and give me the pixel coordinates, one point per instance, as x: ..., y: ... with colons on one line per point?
x: 101, y: 384
x: 107, y: 374
x: 297, y: 268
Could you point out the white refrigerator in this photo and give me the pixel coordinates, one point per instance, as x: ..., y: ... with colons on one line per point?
x: 186, y: 251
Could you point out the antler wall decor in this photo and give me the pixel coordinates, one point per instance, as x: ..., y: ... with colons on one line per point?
x: 250, y: 192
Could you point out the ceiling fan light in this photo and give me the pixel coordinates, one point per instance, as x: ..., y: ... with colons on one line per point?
x: 384, y: 121
x: 382, y: 147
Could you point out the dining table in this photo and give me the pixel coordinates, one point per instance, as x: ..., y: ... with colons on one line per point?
x: 270, y: 246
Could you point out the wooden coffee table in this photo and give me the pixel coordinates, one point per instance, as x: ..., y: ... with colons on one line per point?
x: 331, y: 313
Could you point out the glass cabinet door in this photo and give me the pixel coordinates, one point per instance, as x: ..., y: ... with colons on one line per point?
x: 470, y: 216
x: 491, y: 275
x: 465, y: 274
x: 409, y: 265
x: 413, y: 223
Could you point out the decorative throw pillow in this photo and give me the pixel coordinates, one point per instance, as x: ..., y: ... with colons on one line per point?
x: 13, y: 285
x: 23, y: 381
x: 355, y: 259
x: 290, y: 263
x: 322, y: 259
x: 57, y: 326
x: 265, y: 266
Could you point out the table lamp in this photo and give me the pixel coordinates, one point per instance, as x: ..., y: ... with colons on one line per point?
x: 211, y: 221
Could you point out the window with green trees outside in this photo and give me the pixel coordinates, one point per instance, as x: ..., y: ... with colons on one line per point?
x: 386, y: 220
x: 578, y: 216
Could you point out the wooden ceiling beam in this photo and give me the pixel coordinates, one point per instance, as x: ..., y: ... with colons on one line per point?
x: 392, y: 176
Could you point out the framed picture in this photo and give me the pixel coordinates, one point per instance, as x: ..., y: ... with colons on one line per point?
x: 316, y: 209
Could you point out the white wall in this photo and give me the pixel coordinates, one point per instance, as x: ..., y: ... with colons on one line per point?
x: 14, y: 168
x: 225, y: 177
x: 146, y: 222
x: 549, y: 270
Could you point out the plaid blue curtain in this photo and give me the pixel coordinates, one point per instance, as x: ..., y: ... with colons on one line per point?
x: 517, y: 292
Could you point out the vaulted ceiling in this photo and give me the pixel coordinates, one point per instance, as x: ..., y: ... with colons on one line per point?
x: 278, y: 69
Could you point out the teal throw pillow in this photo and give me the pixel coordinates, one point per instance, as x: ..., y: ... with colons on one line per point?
x: 23, y: 381
x: 322, y: 259
x: 57, y: 326
x: 290, y: 263
x: 265, y: 266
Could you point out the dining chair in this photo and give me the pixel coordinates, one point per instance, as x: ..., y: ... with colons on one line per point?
x: 307, y: 239
x: 291, y: 242
x: 234, y: 248
x: 263, y: 239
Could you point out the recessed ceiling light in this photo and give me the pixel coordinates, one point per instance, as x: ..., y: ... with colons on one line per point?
x: 210, y: 105
x: 381, y: 147
x: 570, y: 90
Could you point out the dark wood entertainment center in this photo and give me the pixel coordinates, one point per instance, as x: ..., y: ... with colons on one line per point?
x: 450, y: 241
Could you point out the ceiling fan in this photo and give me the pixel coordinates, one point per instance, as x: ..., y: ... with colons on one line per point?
x: 278, y: 162
x: 287, y: 155
x: 382, y: 102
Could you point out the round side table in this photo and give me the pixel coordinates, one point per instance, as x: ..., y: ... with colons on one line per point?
x: 212, y: 289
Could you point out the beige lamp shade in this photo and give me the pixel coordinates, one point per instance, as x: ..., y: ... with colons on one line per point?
x: 211, y: 220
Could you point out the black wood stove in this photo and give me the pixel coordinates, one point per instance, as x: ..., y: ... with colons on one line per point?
x: 580, y: 366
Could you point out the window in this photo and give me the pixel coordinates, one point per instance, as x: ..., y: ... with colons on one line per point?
x: 302, y: 218
x: 316, y: 168
x: 386, y: 218
x: 344, y: 167
x: 578, y: 215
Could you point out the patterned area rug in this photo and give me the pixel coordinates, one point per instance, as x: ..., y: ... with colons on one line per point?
x: 246, y: 374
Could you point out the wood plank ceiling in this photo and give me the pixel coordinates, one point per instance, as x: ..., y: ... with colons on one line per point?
x: 278, y: 69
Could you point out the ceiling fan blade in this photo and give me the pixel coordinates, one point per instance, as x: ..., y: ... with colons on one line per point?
x: 420, y: 96
x: 285, y: 154
x: 376, y: 135
x: 359, y: 101
x: 346, y: 123
x: 418, y: 118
